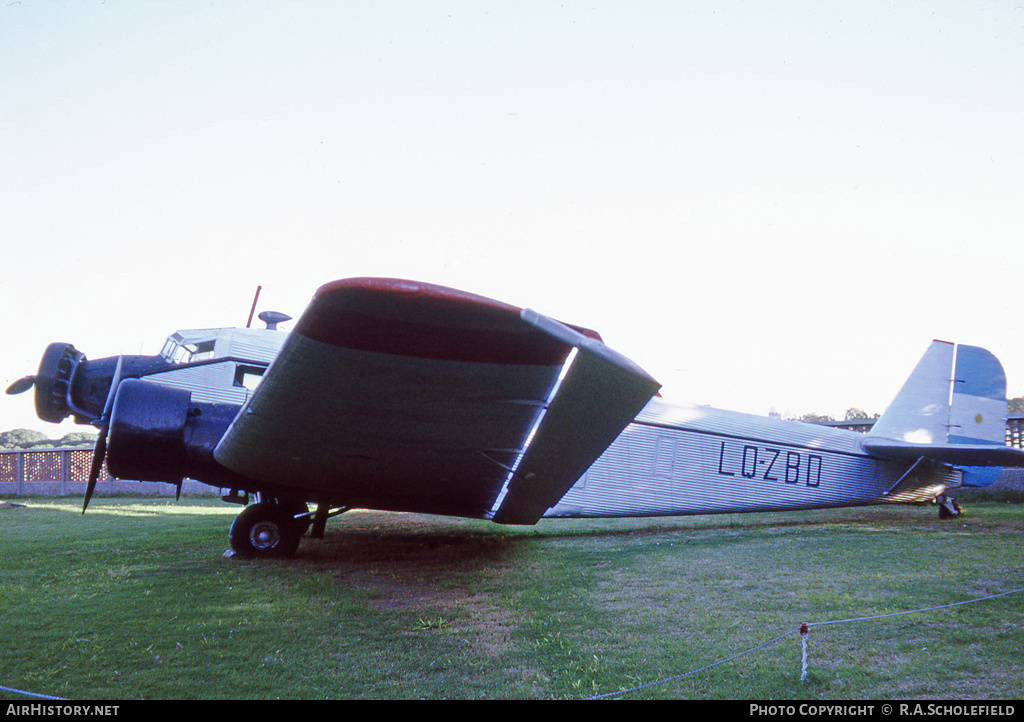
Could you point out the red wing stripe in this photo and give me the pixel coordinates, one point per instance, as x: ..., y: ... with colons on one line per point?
x: 408, y: 318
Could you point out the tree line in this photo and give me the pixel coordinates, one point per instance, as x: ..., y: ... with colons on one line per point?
x: 20, y: 439
x: 1013, y: 406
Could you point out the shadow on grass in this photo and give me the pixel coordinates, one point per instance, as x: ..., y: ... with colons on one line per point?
x: 364, y: 538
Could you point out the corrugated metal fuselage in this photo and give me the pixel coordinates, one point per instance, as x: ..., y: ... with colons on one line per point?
x: 670, y: 460
x: 679, y: 460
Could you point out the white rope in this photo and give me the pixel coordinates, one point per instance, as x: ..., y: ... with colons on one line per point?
x: 916, y: 611
x: 803, y: 629
x: 694, y: 671
x: 29, y: 694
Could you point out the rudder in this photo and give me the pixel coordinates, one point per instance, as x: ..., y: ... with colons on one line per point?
x: 977, y: 411
x: 952, y: 409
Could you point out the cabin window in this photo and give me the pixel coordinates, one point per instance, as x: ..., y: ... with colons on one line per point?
x: 202, y: 351
x: 248, y: 377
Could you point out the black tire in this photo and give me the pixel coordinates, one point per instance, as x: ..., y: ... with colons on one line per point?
x: 265, y: 531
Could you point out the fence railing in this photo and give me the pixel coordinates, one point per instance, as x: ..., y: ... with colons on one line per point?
x: 65, y: 472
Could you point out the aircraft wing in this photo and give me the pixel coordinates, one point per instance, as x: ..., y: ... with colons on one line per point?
x: 399, y: 395
x: 599, y: 395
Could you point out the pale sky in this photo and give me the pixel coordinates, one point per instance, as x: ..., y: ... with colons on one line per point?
x: 768, y: 205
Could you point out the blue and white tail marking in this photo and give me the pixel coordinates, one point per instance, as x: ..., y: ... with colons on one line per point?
x: 952, y: 410
x: 977, y: 411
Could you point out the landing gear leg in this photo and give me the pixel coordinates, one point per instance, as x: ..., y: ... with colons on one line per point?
x: 948, y: 508
x: 267, y: 530
x: 320, y: 517
x: 319, y: 521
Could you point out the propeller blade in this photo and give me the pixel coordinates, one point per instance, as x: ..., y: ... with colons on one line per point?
x: 114, y: 381
x: 100, y: 452
x: 21, y: 385
x: 94, y: 471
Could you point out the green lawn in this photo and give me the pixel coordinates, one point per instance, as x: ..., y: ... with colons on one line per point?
x: 137, y: 600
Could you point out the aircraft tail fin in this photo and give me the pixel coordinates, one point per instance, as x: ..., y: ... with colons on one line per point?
x: 952, y: 409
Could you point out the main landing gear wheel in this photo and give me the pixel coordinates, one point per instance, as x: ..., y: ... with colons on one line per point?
x: 268, y: 530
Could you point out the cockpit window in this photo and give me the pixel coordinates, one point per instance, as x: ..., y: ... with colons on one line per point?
x: 170, y: 345
x: 187, y: 352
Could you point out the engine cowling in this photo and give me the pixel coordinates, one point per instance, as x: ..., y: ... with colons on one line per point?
x: 53, y: 381
x: 157, y: 433
x: 148, y: 424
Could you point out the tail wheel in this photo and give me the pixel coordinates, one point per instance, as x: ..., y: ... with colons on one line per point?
x: 266, y: 530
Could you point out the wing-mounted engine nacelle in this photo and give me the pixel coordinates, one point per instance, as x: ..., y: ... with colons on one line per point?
x: 158, y: 434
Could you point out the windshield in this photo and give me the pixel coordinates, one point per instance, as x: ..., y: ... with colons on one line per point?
x: 181, y: 353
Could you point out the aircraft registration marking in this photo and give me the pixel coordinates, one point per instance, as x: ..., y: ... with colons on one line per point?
x: 769, y: 463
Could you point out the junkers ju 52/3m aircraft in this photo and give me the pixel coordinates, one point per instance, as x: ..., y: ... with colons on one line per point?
x: 405, y: 396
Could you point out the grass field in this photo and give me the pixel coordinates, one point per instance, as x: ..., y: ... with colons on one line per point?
x: 137, y: 600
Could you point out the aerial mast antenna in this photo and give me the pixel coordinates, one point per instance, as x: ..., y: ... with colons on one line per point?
x: 253, y: 309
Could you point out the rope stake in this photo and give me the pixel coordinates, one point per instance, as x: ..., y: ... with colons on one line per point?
x: 804, y: 633
x: 804, y: 630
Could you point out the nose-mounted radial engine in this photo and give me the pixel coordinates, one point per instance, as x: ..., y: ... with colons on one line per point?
x: 158, y: 417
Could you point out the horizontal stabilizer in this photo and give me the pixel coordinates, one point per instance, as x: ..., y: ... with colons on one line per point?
x: 957, y: 454
x: 601, y: 392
